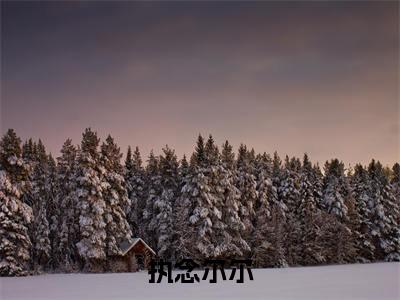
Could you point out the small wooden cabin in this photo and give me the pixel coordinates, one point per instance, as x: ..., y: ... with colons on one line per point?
x: 135, y: 255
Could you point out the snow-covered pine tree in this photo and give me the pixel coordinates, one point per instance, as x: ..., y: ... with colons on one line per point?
x: 384, y: 212
x: 53, y: 211
x: 336, y: 189
x: 228, y: 240
x: 90, y: 186
x: 247, y: 185
x: 336, y: 240
x: 115, y: 197
x: 41, y: 196
x: 28, y: 151
x: 195, y: 207
x: 66, y: 252
x: 395, y: 182
x: 317, y: 182
x: 277, y: 173
x: 271, y: 252
x: 309, y: 216
x: 180, y: 213
x: 361, y: 191
x: 135, y: 180
x: 153, y: 193
x: 265, y: 193
x: 289, y: 189
x: 12, y: 162
x: 289, y: 194
x: 183, y: 170
x: 163, y: 207
x: 15, y: 215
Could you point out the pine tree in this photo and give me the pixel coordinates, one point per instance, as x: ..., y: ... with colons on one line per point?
x: 362, y: 231
x: 163, y: 207
x: 115, y: 197
x: 53, y: 212
x: 395, y: 182
x: 277, y: 172
x: 309, y: 216
x: 335, y: 189
x: 66, y: 252
x: 384, y: 211
x: 184, y: 169
x: 265, y: 193
x: 90, y: 186
x: 247, y: 185
x: 289, y: 189
x: 11, y: 160
x: 15, y: 216
x: 228, y: 239
x: 153, y: 193
x: 271, y: 252
x: 135, y: 180
x: 196, y: 206
x: 41, y: 195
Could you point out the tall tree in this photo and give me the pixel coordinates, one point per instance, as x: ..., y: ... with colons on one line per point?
x: 11, y: 160
x: 335, y: 189
x: 228, y: 239
x: 395, y: 181
x: 65, y: 249
x: 384, y: 212
x: 41, y: 195
x: 90, y: 186
x: 247, y: 185
x: 195, y: 208
x: 115, y: 197
x: 361, y: 190
x: 15, y: 215
x: 164, y: 206
x: 135, y: 180
x: 153, y: 193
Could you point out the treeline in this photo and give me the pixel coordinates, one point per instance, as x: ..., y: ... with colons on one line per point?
x: 71, y: 213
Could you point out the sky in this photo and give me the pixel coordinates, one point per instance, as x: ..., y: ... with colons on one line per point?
x: 315, y: 77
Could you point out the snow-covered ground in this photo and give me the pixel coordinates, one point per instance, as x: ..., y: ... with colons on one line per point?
x: 372, y: 281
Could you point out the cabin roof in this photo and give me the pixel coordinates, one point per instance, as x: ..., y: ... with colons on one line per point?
x: 127, y: 245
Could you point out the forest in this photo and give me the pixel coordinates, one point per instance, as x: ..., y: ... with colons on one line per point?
x: 69, y: 213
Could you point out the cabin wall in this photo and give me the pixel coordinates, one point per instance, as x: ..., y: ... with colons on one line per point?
x: 128, y: 263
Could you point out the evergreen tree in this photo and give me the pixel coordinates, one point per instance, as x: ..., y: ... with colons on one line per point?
x: 228, y: 239
x: 135, y: 180
x: 11, y: 160
x: 384, y: 212
x: 335, y: 189
x: 65, y: 249
x: 163, y: 207
x: 289, y: 189
x: 395, y: 181
x: 41, y: 196
x: 184, y: 169
x: 265, y: 194
x: 15, y: 216
x: 362, y: 230
x: 90, y: 186
x: 247, y: 185
x: 195, y: 208
x: 309, y: 216
x: 115, y: 197
x: 271, y: 252
x: 153, y: 183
